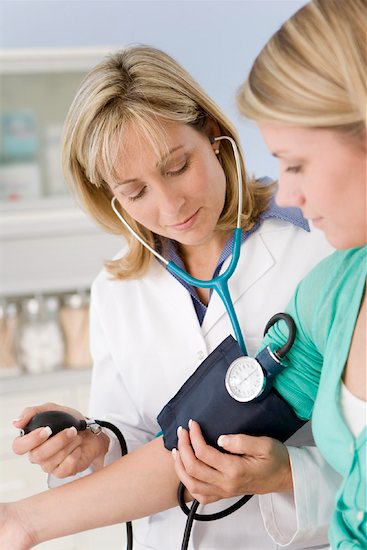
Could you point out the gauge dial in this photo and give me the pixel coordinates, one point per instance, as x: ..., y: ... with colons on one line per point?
x: 245, y: 379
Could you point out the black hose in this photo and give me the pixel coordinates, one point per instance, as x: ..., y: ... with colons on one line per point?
x: 121, y: 440
x: 208, y: 517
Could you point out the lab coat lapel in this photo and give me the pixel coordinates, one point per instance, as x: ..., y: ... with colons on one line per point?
x: 255, y: 260
x: 175, y: 298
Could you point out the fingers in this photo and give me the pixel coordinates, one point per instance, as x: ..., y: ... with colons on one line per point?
x: 199, y: 465
x: 204, y: 452
x: 23, y: 444
x: 69, y: 466
x: 48, y: 453
x: 196, y: 488
x: 63, y: 463
x: 54, y: 451
x: 29, y: 412
x: 197, y: 457
x: 245, y: 444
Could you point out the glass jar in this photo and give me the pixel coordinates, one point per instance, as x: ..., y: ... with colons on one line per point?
x: 8, y: 328
x: 40, y: 342
x: 74, y: 319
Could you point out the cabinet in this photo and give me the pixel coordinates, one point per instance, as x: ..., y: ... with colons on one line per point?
x: 47, y: 244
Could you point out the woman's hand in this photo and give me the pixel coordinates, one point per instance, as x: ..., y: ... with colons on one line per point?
x: 65, y: 454
x: 258, y: 465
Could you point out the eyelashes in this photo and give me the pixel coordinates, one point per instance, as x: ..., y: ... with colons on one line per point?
x: 180, y: 171
x: 294, y: 169
x: 170, y: 174
x: 138, y: 196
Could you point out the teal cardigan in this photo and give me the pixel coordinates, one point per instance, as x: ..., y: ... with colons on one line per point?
x: 325, y: 308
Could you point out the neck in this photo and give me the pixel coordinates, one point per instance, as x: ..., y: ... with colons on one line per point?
x: 200, y: 261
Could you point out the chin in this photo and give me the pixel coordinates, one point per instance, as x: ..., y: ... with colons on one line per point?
x: 345, y: 241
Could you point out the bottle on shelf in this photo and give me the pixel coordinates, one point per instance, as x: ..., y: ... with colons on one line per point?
x: 8, y: 327
x: 74, y: 319
x: 40, y: 341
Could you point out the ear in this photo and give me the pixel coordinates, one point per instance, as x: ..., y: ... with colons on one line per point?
x: 212, y: 130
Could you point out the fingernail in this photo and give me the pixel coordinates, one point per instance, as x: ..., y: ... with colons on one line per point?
x: 47, y: 431
x: 71, y: 432
x: 16, y: 419
x: 190, y: 423
x: 222, y: 440
x: 179, y: 430
x: 174, y: 452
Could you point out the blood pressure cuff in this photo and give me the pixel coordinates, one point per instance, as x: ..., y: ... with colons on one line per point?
x: 204, y: 398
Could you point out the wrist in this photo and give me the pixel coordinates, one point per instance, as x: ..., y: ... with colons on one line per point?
x: 18, y: 528
x: 286, y: 479
x: 103, y: 442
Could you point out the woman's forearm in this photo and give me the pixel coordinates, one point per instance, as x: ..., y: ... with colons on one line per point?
x: 141, y: 483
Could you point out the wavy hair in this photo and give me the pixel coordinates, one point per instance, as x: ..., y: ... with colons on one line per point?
x: 313, y: 71
x: 140, y: 87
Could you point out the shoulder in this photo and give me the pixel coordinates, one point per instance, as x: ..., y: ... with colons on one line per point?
x: 104, y: 279
x: 335, y: 271
x: 323, y: 293
x: 293, y: 241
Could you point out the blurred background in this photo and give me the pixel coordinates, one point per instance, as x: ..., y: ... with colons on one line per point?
x: 49, y: 251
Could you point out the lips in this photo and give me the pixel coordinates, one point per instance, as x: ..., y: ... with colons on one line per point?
x: 185, y: 224
x: 316, y: 221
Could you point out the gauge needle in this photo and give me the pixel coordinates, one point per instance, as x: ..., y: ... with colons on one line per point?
x: 248, y: 376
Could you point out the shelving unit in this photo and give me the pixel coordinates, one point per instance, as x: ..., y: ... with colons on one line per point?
x: 46, y: 241
x: 47, y: 246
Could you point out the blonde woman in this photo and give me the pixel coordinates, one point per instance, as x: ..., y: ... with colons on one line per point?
x: 140, y: 130
x: 307, y: 92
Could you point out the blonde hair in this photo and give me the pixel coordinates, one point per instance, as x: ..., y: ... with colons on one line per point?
x: 139, y: 87
x: 312, y: 72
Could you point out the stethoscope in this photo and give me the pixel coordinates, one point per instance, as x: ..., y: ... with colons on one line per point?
x: 219, y: 283
x: 60, y: 420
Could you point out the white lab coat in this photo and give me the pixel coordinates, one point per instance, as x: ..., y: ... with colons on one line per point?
x: 146, y: 341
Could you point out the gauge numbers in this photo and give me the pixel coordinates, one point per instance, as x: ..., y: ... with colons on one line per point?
x: 245, y: 379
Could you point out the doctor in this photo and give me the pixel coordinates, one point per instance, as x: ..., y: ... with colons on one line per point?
x: 141, y: 130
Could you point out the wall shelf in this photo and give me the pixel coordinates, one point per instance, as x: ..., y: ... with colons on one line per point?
x: 47, y: 243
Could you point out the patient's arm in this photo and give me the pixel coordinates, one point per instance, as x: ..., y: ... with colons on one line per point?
x: 139, y: 484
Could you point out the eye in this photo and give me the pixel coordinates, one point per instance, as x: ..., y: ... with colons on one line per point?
x: 294, y: 169
x: 138, y: 196
x: 180, y: 169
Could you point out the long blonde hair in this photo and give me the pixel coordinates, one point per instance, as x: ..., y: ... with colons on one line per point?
x: 313, y: 71
x: 140, y: 86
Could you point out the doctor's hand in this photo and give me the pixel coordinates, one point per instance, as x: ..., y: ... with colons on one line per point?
x: 258, y: 465
x: 65, y: 454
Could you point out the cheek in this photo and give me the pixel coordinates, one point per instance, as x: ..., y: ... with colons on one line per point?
x: 138, y: 212
x: 216, y: 182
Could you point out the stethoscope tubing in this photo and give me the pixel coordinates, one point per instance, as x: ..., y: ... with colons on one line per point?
x: 219, y: 283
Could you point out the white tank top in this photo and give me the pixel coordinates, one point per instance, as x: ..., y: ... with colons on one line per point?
x: 354, y: 410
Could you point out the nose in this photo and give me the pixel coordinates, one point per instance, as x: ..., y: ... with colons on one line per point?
x: 170, y: 201
x: 289, y: 193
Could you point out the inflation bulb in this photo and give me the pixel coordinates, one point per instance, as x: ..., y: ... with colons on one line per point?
x: 57, y: 420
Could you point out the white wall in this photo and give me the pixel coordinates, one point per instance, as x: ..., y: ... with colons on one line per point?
x: 216, y: 40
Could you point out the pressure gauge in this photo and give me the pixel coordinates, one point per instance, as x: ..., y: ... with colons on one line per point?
x: 245, y: 379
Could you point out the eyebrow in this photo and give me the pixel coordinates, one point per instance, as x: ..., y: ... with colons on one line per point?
x: 132, y: 180
x: 159, y: 164
x: 164, y: 159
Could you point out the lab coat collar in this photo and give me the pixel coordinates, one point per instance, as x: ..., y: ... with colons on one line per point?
x: 255, y: 260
